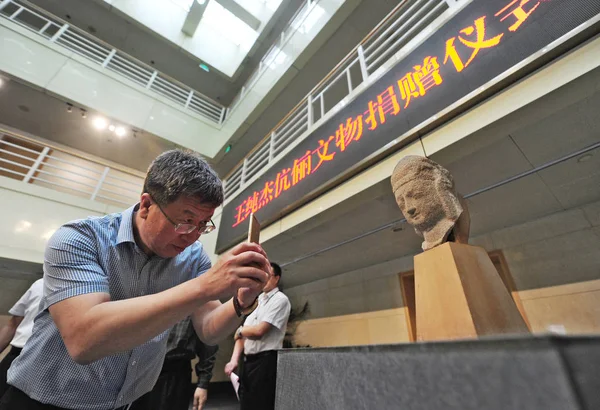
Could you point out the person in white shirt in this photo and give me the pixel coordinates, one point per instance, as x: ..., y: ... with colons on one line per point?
x: 259, y: 338
x: 19, y: 327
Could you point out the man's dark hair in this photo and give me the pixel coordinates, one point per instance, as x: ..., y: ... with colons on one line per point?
x: 179, y: 173
x: 276, y: 269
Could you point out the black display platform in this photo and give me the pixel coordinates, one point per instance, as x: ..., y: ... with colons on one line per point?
x: 549, y: 373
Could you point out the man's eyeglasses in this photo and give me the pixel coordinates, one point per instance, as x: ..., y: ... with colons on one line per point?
x: 184, y: 229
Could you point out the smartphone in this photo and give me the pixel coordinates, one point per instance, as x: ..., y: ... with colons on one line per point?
x: 253, y: 229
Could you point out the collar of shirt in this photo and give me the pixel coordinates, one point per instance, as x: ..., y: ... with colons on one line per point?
x: 125, y: 233
x: 264, y: 297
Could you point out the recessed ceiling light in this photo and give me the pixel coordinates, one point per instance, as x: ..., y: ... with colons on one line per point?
x: 120, y: 131
x: 22, y: 226
x: 204, y: 67
x: 111, y: 127
x: 584, y: 158
x: 100, y: 123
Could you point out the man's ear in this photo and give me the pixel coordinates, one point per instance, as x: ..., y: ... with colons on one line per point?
x: 145, y: 202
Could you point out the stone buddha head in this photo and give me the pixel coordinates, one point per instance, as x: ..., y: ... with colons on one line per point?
x: 425, y: 193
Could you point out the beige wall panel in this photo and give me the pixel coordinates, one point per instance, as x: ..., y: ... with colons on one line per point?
x: 385, y: 326
x: 578, y: 313
x: 388, y: 329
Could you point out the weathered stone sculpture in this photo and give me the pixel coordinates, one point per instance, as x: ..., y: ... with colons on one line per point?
x: 424, y: 191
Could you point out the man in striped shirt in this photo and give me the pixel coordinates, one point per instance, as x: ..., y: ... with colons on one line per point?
x: 115, y: 285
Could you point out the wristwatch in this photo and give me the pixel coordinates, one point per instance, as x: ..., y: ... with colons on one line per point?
x: 238, y: 333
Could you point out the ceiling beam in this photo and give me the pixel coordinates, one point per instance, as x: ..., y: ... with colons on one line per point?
x: 241, y: 13
x: 193, y: 17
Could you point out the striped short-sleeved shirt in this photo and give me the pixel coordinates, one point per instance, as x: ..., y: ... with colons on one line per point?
x: 89, y: 256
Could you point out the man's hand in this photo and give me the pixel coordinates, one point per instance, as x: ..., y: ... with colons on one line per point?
x: 244, y: 266
x: 247, y: 296
x: 230, y: 368
x: 200, y: 396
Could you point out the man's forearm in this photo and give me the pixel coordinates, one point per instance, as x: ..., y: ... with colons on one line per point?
x: 116, y: 326
x: 207, y: 356
x: 215, y: 321
x: 238, y: 349
x: 255, y: 332
x: 7, y: 333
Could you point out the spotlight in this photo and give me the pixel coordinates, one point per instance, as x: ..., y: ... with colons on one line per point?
x: 69, y: 107
x: 120, y: 131
x: 111, y: 128
x: 83, y: 113
x: 1, y: 81
x: 100, y: 123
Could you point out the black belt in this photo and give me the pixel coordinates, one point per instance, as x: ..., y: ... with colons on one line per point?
x: 260, y: 355
x: 177, y: 365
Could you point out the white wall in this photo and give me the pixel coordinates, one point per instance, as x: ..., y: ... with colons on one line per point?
x: 30, y: 214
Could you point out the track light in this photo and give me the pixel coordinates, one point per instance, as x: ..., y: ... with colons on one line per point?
x: 69, y: 107
x: 100, y: 123
x: 120, y: 131
x: 83, y: 113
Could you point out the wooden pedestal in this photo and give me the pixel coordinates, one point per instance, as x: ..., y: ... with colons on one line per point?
x: 459, y: 294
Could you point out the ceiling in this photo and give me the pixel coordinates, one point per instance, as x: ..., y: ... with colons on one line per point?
x: 562, y: 122
x: 45, y: 116
x: 122, y: 32
x: 218, y: 32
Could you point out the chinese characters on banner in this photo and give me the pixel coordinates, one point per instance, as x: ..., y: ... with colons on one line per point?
x: 460, y: 51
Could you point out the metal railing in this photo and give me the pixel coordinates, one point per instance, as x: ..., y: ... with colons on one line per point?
x: 34, y: 163
x: 78, y: 41
x: 270, y: 57
x: 401, y: 25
